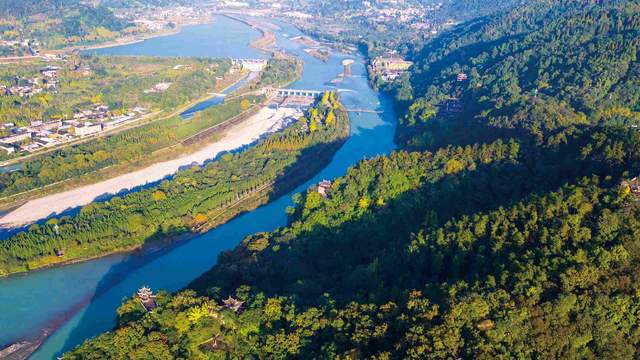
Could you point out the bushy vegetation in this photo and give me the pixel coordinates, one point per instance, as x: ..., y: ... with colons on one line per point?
x: 279, y: 72
x: 510, y: 237
x: 193, y: 200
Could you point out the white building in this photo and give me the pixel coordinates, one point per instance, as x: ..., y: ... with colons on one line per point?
x: 8, y: 149
x: 86, y: 129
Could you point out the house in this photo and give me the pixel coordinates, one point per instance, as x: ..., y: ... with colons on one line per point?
x: 462, y: 77
x: 323, y: 186
x: 146, y: 298
x: 158, y: 88
x: 15, y: 138
x: 50, y: 72
x: 44, y: 126
x: 45, y: 141
x: 85, y: 129
x: 233, y: 304
x: 8, y: 149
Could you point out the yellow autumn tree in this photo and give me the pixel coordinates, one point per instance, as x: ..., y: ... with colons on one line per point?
x: 97, y: 98
x: 158, y: 195
x: 325, y: 98
x: 200, y: 218
x: 331, y: 118
x: 313, y: 126
x: 363, y: 203
x: 196, y: 313
x: 453, y: 166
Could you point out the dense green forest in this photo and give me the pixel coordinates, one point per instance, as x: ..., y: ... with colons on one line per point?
x: 132, y: 145
x: 540, y: 70
x: 371, y: 271
x: 499, y: 231
x: 193, y: 200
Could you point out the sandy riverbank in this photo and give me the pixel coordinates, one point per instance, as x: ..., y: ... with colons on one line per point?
x: 265, y: 121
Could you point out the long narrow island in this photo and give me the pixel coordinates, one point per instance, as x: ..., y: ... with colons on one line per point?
x: 194, y: 200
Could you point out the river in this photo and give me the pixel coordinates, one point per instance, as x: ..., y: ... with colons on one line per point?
x: 79, y: 300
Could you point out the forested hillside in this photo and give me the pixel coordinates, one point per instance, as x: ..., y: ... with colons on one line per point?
x: 504, y: 233
x: 540, y: 70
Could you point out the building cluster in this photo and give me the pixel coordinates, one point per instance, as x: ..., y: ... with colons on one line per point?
x: 390, y: 68
x: 157, y: 19
x: 27, y: 87
x: 633, y: 186
x: 158, y: 88
x: 41, y: 134
x: 384, y: 12
x: 21, y: 47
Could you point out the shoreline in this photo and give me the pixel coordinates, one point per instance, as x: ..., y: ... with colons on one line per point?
x: 237, y: 136
x: 251, y: 201
x: 265, y: 43
x: 134, y: 40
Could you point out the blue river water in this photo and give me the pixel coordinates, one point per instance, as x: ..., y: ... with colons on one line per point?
x: 78, y: 301
x: 218, y: 98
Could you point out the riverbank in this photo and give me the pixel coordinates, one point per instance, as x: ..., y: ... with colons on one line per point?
x: 306, y: 164
x: 129, y: 40
x: 267, y: 40
x: 240, y: 135
x: 13, y: 201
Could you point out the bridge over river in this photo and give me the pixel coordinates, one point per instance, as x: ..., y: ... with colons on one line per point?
x: 293, y: 92
x: 366, y: 111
